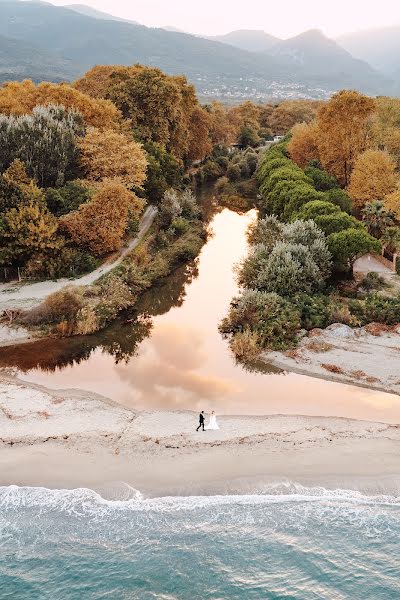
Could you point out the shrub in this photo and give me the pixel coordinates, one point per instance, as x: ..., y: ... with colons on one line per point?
x: 246, y: 345
x: 180, y: 226
x: 265, y: 231
x: 273, y: 318
x: 63, y: 200
x: 234, y: 172
x: 373, y: 281
x: 314, y: 310
x: 377, y: 308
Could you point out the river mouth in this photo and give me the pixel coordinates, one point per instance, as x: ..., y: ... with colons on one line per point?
x: 172, y: 356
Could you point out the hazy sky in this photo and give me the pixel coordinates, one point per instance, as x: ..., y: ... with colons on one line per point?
x: 282, y: 18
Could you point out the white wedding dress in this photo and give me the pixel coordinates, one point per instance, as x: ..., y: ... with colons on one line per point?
x: 213, y: 424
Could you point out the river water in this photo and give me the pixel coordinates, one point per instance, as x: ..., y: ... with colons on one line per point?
x: 174, y: 358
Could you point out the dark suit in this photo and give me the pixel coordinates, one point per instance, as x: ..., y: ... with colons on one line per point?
x: 201, y: 422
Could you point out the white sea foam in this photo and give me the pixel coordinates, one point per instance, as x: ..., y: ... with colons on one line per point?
x: 83, y: 500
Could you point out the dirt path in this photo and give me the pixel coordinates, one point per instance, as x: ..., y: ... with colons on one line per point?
x: 17, y: 295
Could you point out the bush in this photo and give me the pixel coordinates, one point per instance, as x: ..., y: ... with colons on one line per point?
x: 180, y: 226
x: 373, y: 281
x: 273, y: 318
x: 234, y: 172
x: 377, y: 309
x: 63, y: 200
x: 314, y: 310
x: 265, y: 231
x: 346, y: 246
x: 62, y: 306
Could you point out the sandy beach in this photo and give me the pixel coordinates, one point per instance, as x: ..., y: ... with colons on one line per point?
x: 70, y: 438
x: 366, y: 356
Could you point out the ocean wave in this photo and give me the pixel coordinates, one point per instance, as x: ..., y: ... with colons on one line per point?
x: 125, y: 497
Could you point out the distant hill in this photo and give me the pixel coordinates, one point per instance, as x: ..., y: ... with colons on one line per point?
x: 172, y: 28
x: 88, y: 11
x: 379, y: 47
x: 325, y: 61
x: 19, y: 60
x: 44, y: 41
x: 248, y: 39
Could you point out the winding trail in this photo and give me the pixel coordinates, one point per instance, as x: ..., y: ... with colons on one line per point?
x: 25, y: 295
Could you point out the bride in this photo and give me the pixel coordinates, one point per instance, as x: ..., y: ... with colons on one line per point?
x: 213, y: 422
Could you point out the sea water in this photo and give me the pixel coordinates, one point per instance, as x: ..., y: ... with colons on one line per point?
x: 287, y: 542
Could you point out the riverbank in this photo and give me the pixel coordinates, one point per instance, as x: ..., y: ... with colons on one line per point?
x: 366, y: 356
x: 71, y: 438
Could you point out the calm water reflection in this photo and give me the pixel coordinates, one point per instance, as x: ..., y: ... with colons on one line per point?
x: 174, y: 358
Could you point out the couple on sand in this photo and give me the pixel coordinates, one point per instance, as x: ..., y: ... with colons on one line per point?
x: 212, y: 424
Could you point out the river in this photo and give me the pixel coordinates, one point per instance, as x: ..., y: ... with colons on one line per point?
x: 173, y: 357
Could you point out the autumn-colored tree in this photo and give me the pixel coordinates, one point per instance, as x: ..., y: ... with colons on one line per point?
x: 289, y: 113
x: 199, y: 137
x: 303, y: 146
x: 344, y: 125
x: 20, y: 98
x: 27, y: 230
x: 158, y: 106
x: 373, y: 177
x: 108, y: 154
x: 245, y: 115
x: 392, y: 202
x: 101, y: 224
x: 222, y: 130
x: 96, y: 82
x: 386, y: 126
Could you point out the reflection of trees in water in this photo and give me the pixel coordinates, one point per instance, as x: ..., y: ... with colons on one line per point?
x: 121, y: 340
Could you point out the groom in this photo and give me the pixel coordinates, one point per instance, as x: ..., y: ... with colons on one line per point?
x: 201, y: 421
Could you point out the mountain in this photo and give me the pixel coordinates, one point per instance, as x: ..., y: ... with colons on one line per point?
x: 172, y: 28
x: 88, y: 41
x: 325, y: 62
x: 51, y: 42
x: 248, y: 39
x: 379, y: 47
x: 88, y: 11
x: 20, y: 60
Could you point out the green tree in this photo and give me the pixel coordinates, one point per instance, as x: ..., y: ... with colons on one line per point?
x: 321, y: 179
x: 338, y: 221
x: 348, y: 245
x: 164, y: 171
x: 248, y: 137
x: 316, y: 208
x: 63, y: 200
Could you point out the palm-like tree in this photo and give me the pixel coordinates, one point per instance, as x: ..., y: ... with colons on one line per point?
x: 377, y: 217
x: 391, y: 239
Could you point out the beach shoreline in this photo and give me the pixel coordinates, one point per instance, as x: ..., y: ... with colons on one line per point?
x: 70, y: 438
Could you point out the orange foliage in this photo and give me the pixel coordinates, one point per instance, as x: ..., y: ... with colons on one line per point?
x: 303, y: 144
x: 18, y: 98
x: 373, y: 177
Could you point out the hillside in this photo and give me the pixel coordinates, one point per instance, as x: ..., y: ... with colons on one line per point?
x: 325, y: 62
x: 247, y: 39
x: 54, y: 43
x: 379, y: 47
x: 88, y: 11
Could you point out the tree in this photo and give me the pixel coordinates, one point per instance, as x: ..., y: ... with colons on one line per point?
x: 27, y: 230
x: 377, y: 217
x: 44, y: 141
x: 101, y: 224
x: 373, y: 177
x: 300, y: 194
x: 343, y: 125
x: 20, y: 98
x: 348, y: 245
x: 291, y: 112
x: 339, y: 197
x: 392, y: 202
x: 337, y: 221
x: 248, y: 137
x: 199, y: 137
x: 107, y: 154
x: 321, y: 179
x: 265, y: 231
x: 391, y: 239
x: 63, y: 200
x: 303, y: 146
x: 164, y: 171
x: 316, y: 208
x: 386, y: 126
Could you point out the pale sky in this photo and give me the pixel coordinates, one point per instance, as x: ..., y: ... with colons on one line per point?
x: 283, y: 18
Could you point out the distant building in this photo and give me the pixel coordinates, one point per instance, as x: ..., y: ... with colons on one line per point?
x: 278, y: 138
